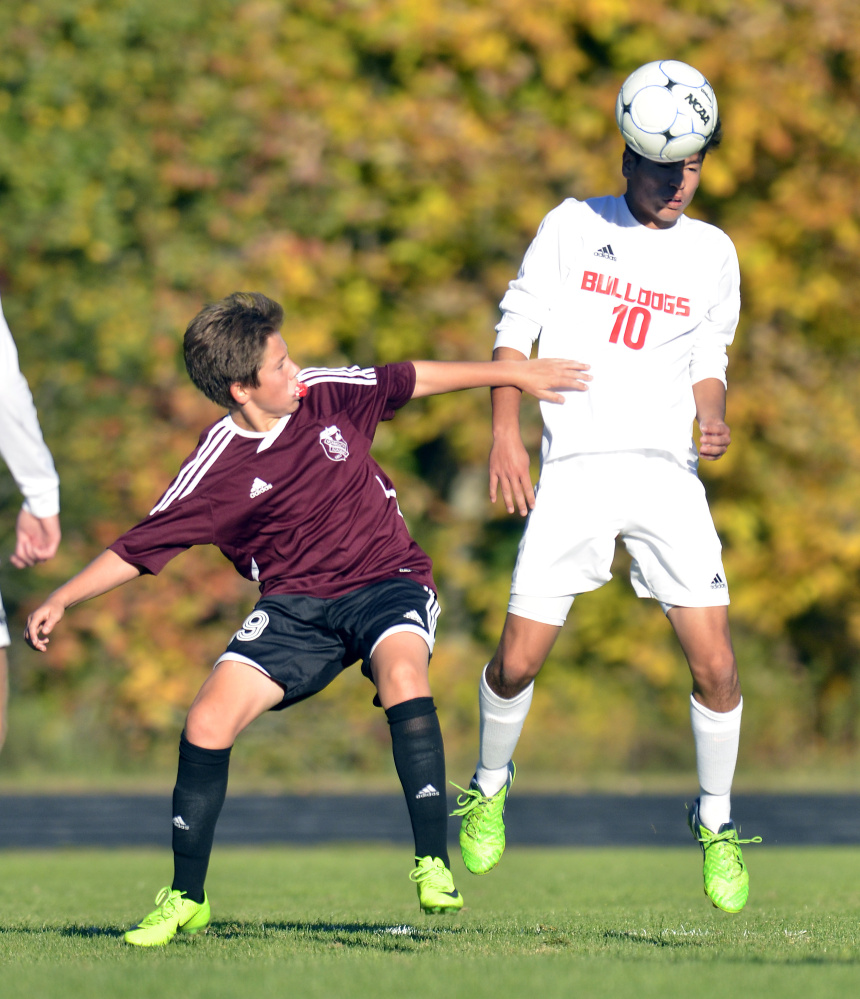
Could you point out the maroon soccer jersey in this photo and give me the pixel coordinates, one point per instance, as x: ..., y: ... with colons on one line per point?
x: 301, y: 509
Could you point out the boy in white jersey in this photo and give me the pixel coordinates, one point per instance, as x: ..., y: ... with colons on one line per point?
x: 22, y: 447
x: 649, y: 299
x: 285, y: 486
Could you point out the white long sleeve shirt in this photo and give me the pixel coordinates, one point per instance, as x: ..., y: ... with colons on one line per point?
x: 651, y: 310
x: 21, y: 443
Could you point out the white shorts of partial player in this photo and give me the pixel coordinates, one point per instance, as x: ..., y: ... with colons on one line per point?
x: 585, y: 502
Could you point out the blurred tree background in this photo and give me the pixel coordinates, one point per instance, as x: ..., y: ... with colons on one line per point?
x: 379, y: 166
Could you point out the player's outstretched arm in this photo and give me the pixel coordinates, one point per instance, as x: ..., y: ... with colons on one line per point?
x: 102, y: 574
x: 543, y: 378
x: 715, y: 435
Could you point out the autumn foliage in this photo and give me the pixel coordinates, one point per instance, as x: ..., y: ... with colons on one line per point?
x: 379, y: 167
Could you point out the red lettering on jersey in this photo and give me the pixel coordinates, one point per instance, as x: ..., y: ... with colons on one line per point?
x: 659, y: 301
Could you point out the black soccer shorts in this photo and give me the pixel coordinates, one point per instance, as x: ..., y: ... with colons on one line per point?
x: 304, y: 642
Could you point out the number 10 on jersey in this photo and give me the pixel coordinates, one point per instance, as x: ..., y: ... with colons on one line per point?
x: 634, y: 323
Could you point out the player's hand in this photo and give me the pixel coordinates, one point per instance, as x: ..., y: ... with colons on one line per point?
x: 41, y: 623
x: 509, y: 468
x: 36, y: 539
x: 715, y: 439
x: 543, y: 378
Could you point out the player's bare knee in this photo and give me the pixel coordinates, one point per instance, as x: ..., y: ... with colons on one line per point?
x: 715, y: 680
x: 207, y: 728
x: 508, y: 676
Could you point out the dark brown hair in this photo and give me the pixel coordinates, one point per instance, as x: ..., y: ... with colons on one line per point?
x: 225, y: 342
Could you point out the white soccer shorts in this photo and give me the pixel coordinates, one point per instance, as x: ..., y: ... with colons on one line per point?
x: 584, y: 502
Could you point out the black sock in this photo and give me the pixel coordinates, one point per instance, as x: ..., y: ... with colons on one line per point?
x: 201, y: 786
x: 419, y: 757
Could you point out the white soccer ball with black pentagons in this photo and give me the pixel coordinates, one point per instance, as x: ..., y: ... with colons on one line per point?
x: 666, y: 110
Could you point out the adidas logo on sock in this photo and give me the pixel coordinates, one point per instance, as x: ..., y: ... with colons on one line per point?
x: 428, y: 791
x: 259, y: 487
x: 180, y: 823
x: 606, y: 252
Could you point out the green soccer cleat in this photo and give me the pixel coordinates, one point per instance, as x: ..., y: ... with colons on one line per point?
x: 436, y: 891
x: 482, y: 832
x: 727, y: 881
x: 173, y: 914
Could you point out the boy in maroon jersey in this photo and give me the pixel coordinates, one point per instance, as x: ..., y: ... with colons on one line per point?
x: 285, y: 486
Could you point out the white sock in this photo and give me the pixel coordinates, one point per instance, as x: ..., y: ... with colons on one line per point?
x: 501, y: 723
x: 716, y: 735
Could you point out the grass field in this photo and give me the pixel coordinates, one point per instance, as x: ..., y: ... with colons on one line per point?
x: 344, y: 922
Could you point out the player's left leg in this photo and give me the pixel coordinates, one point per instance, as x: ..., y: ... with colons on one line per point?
x: 231, y: 698
x: 399, y: 667
x: 715, y: 705
x: 715, y: 713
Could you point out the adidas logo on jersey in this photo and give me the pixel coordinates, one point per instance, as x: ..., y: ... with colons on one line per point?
x: 428, y: 791
x: 259, y: 487
x: 413, y: 615
x: 718, y: 583
x: 606, y: 252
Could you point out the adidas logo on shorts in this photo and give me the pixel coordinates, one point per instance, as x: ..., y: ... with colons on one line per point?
x: 718, y: 583
x: 413, y: 615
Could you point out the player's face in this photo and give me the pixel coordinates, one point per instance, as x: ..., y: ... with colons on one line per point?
x: 276, y: 395
x: 659, y: 193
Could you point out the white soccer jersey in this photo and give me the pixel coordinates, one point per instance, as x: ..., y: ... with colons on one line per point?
x: 651, y: 310
x: 21, y: 443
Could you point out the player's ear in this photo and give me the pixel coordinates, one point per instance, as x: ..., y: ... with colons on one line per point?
x: 239, y: 392
x: 628, y: 163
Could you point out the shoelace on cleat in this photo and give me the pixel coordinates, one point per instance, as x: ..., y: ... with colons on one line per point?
x: 165, y: 907
x: 728, y: 838
x: 436, y: 875
x: 469, y: 800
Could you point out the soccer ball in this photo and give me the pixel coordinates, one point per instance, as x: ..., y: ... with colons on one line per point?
x: 666, y: 110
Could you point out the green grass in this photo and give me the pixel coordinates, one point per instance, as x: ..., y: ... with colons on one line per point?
x: 344, y: 922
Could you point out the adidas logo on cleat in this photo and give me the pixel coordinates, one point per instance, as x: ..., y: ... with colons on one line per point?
x: 606, y: 252
x: 428, y: 791
x: 259, y: 487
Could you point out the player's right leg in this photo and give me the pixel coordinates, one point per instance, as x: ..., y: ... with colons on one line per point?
x: 504, y: 696
x: 233, y: 695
